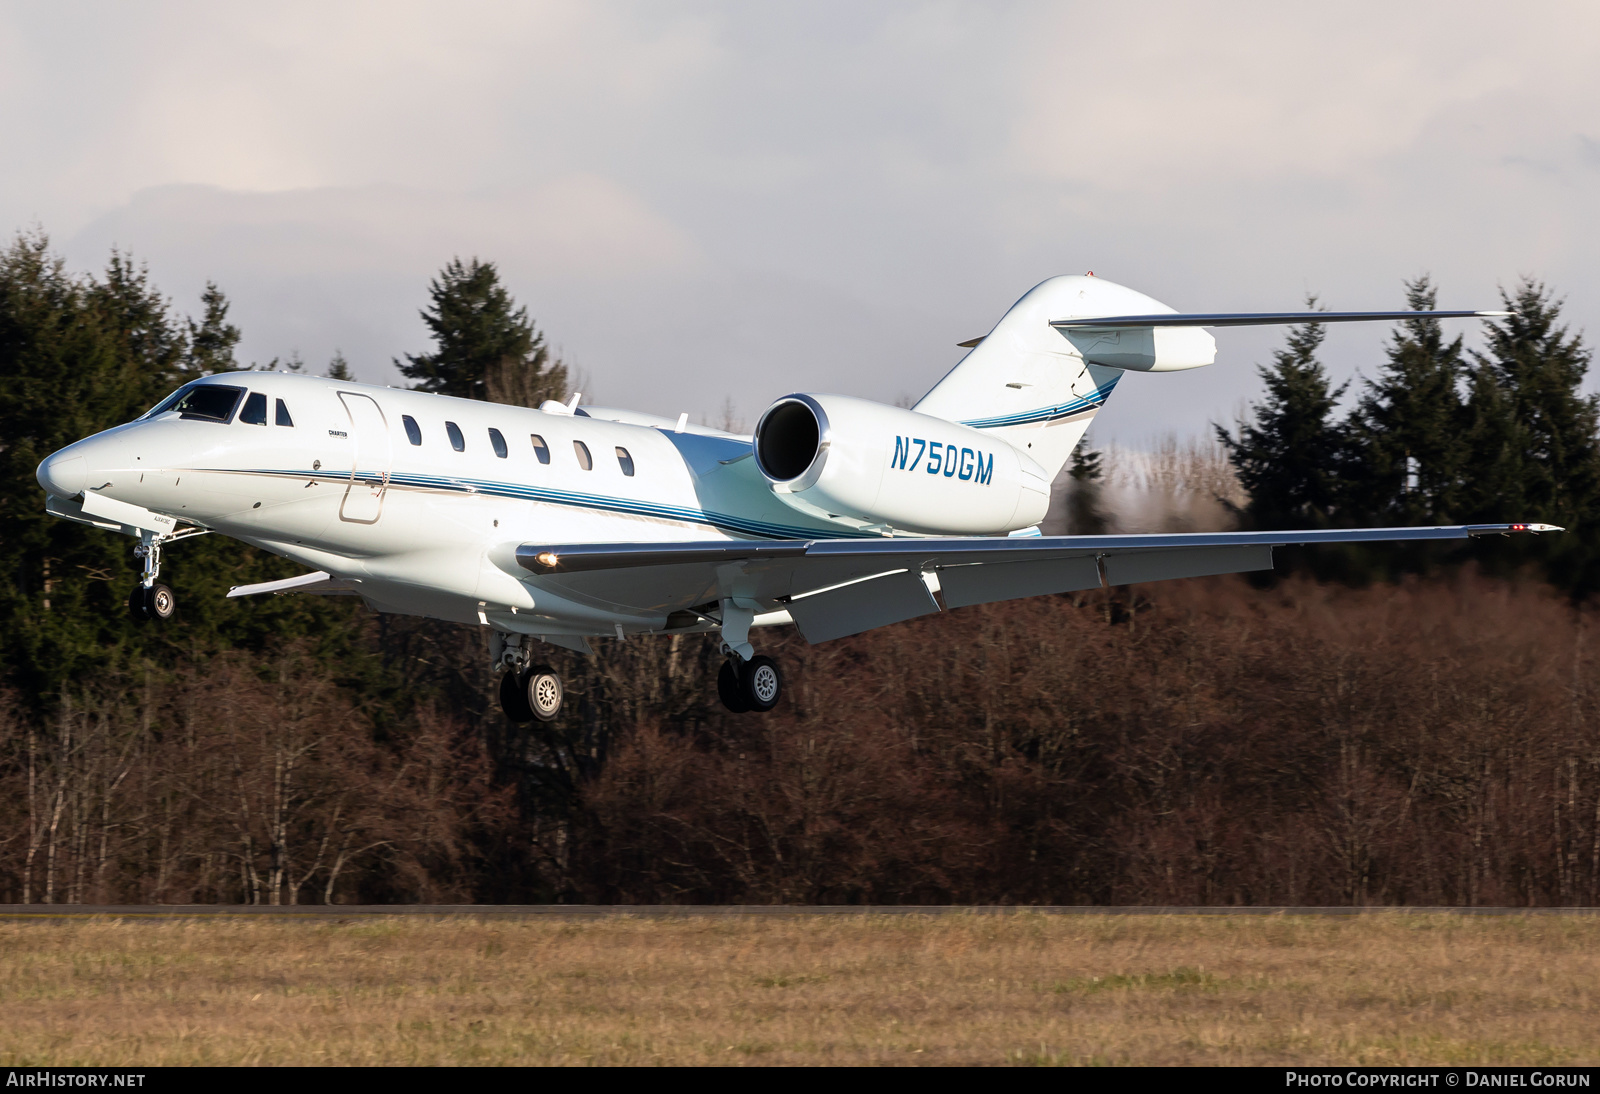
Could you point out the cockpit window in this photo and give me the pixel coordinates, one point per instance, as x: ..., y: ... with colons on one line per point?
x: 168, y: 403
x: 283, y: 415
x: 207, y: 403
x: 255, y: 409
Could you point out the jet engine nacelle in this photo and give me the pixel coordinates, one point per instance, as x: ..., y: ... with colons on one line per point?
x: 881, y: 466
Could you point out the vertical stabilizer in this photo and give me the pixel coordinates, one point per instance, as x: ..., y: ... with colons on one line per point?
x: 1027, y: 381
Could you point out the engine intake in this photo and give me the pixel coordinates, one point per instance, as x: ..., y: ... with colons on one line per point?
x: 873, y: 466
x: 788, y: 439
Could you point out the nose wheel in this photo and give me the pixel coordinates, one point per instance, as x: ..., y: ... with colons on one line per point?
x: 753, y: 685
x: 154, y: 602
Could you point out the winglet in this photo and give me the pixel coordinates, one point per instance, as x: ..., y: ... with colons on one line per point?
x: 1477, y: 530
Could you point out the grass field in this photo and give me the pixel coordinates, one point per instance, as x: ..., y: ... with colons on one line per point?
x: 968, y: 989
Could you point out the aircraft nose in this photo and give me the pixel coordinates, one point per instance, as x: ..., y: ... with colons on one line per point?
x: 64, y: 474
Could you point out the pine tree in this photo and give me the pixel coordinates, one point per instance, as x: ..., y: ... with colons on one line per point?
x: 79, y: 355
x: 1534, y: 451
x: 1085, y: 517
x: 339, y: 368
x: 1409, y: 448
x: 211, y: 341
x: 1540, y: 367
x: 149, y: 345
x: 76, y: 356
x: 487, y: 347
x: 1289, y: 457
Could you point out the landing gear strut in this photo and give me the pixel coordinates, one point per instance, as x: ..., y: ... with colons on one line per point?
x: 150, y: 599
x: 747, y: 680
x: 527, y: 692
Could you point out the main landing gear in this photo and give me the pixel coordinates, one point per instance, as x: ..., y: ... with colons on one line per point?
x: 150, y: 600
x: 748, y: 681
x: 533, y: 694
x: 527, y: 692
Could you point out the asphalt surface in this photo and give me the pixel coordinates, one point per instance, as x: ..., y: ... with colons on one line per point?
x: 667, y: 911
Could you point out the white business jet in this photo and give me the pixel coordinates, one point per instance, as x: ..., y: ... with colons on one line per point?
x: 570, y: 522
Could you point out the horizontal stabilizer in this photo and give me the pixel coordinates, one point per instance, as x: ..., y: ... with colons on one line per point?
x: 1261, y: 318
x: 316, y: 582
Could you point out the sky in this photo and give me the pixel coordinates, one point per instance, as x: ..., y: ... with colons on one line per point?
x: 702, y: 202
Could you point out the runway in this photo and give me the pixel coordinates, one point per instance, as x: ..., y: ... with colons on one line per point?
x: 673, y: 911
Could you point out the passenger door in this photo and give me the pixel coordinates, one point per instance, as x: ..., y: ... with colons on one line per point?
x: 369, y: 472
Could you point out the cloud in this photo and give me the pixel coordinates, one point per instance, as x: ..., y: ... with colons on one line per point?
x: 717, y: 197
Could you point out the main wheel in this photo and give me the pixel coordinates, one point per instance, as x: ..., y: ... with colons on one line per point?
x: 728, y: 689
x: 160, y: 603
x: 544, y: 693
x: 761, y: 684
x: 513, y: 700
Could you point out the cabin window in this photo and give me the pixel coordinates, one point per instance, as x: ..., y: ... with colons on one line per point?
x: 585, y: 461
x: 625, y: 462
x: 497, y: 441
x: 283, y: 415
x: 540, y: 449
x: 255, y: 409
x: 209, y: 403
x: 457, y: 441
x: 413, y: 430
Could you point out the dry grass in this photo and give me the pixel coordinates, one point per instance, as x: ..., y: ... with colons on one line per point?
x: 1031, y: 989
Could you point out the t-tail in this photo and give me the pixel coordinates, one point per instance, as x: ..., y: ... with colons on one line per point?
x: 1045, y: 370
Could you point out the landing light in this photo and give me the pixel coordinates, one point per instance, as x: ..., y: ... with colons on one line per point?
x: 547, y: 559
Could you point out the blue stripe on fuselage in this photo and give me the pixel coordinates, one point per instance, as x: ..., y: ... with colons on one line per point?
x: 599, y: 502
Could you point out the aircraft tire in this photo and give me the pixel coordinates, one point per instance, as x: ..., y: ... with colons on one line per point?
x: 138, y: 605
x: 761, y: 684
x: 514, y: 700
x: 729, y: 689
x: 544, y: 693
x: 160, y: 603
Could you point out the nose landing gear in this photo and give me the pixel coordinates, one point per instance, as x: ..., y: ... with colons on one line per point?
x: 151, y: 600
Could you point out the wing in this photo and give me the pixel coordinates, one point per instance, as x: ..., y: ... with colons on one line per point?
x: 832, y: 588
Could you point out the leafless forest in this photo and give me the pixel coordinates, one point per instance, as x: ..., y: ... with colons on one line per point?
x: 1203, y: 742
